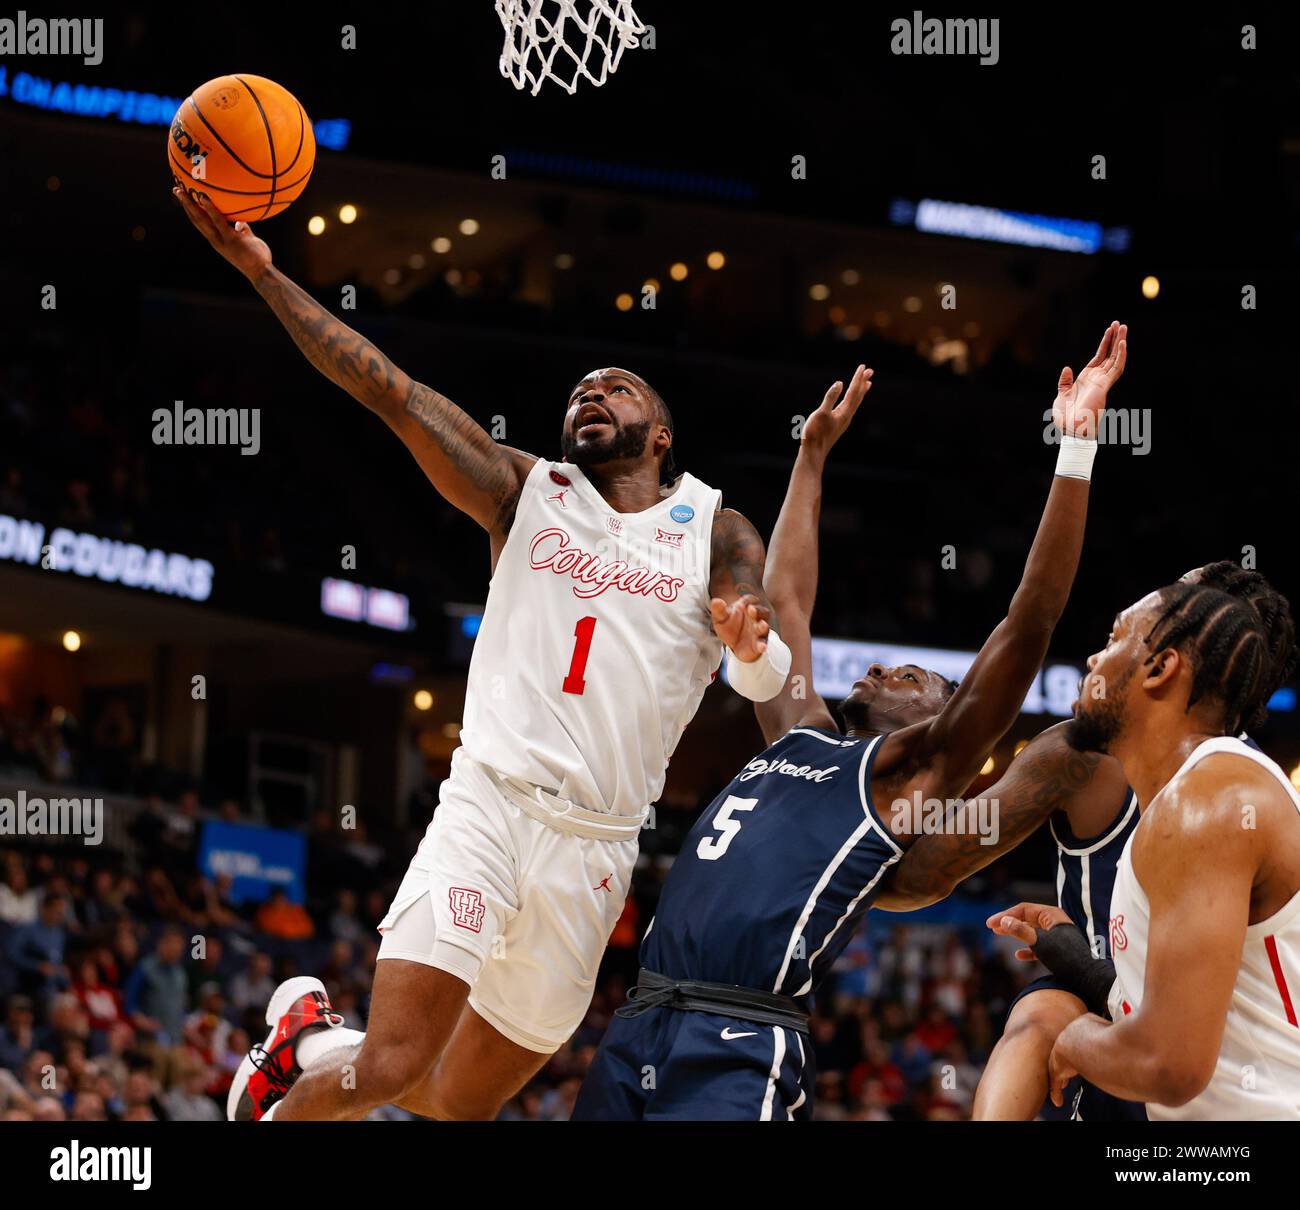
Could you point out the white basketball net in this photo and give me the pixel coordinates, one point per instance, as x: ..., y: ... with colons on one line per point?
x: 565, y: 40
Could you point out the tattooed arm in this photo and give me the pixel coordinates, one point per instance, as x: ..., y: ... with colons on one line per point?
x: 742, y: 614
x: 1047, y: 776
x: 473, y: 472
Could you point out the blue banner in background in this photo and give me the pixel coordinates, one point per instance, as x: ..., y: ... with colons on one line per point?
x: 128, y: 105
x: 258, y: 860
x: 1006, y: 226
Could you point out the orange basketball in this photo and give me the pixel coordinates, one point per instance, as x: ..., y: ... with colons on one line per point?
x: 246, y: 143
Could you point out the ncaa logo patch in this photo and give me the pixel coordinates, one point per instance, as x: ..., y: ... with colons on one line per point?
x: 467, y: 908
x: 562, y: 480
x: 681, y: 513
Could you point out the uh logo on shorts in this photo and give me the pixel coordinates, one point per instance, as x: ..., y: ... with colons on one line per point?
x: 467, y: 908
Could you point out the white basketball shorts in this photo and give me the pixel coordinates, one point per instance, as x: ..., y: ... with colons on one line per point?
x: 516, y: 893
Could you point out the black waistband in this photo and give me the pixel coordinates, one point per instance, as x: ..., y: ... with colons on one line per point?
x: 653, y: 990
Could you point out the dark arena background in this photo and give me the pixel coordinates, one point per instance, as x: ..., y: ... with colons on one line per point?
x: 745, y: 211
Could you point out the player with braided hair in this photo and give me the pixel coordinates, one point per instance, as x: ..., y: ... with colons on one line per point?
x: 1226, y: 646
x: 1204, y: 920
x: 1274, y: 611
x: 1093, y: 812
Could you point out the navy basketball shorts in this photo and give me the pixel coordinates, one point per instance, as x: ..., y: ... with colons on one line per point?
x: 671, y: 1065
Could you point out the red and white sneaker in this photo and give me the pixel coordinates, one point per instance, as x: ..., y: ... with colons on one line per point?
x: 299, y: 1006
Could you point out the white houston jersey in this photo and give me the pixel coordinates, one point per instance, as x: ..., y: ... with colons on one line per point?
x: 1258, y: 1073
x: 596, y: 644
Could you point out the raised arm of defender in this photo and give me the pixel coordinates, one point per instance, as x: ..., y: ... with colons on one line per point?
x: 955, y: 743
x: 1047, y: 776
x: 791, y: 575
x: 479, y: 476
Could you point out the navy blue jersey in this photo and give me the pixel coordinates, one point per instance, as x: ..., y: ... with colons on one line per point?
x: 778, y: 871
x: 1085, y: 872
x: 1085, y: 879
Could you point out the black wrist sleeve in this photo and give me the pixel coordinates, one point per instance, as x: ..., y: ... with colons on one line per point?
x: 1064, y: 950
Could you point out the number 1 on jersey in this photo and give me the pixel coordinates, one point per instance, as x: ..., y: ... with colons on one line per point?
x: 582, y: 632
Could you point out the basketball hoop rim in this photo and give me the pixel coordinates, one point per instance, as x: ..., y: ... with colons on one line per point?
x: 535, y: 37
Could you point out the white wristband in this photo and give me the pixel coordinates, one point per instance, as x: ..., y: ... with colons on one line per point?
x: 1074, y: 459
x: 762, y: 679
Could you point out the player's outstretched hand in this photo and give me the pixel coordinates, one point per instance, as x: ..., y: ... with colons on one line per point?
x: 1023, y: 923
x: 742, y: 626
x: 236, y: 242
x: 1080, y: 401
x: 827, y: 424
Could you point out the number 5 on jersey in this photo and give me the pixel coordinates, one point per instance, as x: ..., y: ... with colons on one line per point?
x: 713, y: 847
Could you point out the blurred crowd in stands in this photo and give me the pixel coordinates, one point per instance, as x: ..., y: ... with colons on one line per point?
x: 49, y: 743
